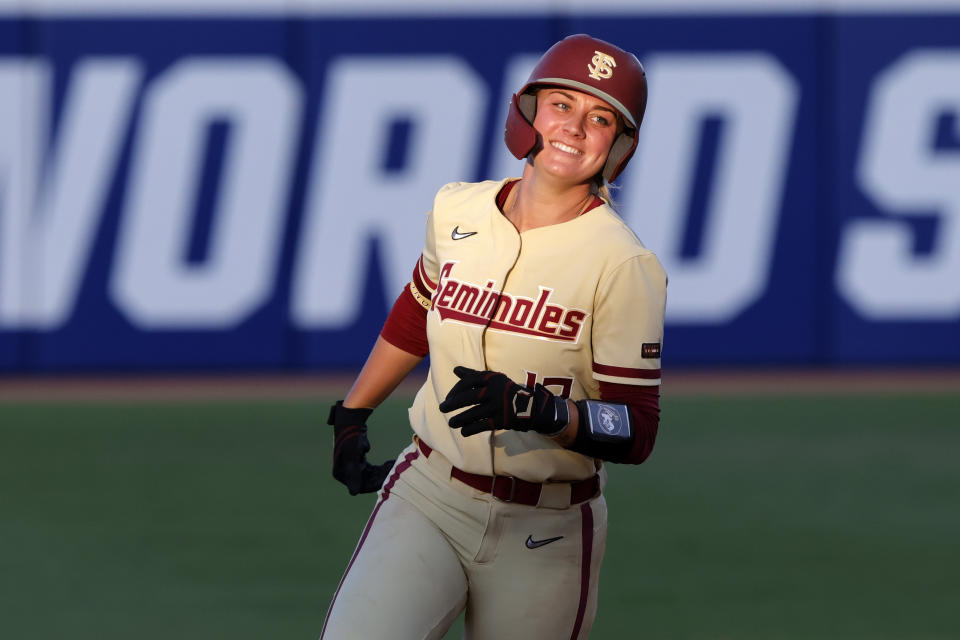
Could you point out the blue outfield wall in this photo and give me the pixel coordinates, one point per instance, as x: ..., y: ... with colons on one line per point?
x: 248, y: 192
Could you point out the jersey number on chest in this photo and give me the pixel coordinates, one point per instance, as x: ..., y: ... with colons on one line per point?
x: 559, y: 385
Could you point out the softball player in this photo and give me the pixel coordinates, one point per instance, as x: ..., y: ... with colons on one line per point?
x: 543, y: 317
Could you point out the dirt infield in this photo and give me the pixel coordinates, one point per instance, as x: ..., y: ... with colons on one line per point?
x: 303, y: 387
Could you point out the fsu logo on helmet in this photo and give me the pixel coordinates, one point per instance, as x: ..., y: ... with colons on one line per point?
x: 601, y: 66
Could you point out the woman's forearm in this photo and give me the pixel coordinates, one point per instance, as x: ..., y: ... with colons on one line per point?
x: 386, y: 367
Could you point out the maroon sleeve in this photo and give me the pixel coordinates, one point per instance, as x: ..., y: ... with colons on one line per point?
x: 406, y: 326
x: 644, y: 404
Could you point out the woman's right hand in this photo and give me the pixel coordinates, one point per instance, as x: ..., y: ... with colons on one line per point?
x: 350, y: 447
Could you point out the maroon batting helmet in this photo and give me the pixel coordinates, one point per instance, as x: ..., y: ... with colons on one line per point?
x: 593, y: 66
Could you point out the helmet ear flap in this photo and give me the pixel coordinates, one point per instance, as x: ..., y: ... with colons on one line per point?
x: 519, y: 134
x: 620, y: 153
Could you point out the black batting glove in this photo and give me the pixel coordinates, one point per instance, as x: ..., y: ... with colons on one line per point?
x: 350, y: 447
x: 501, y: 403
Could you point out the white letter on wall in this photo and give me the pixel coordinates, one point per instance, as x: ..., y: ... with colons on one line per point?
x: 877, y: 270
x: 152, y: 281
x: 756, y: 99
x: 50, y: 209
x: 352, y: 196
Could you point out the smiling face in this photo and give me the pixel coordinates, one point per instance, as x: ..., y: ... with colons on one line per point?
x: 577, y: 130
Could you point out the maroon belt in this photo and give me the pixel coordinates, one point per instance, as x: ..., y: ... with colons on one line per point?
x: 510, y: 489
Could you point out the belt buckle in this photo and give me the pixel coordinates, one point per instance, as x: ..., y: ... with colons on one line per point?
x: 513, y: 488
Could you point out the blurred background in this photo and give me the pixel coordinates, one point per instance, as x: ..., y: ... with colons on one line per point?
x: 237, y: 188
x: 223, y: 186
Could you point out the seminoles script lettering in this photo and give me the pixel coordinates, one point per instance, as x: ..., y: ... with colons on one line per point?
x: 472, y: 304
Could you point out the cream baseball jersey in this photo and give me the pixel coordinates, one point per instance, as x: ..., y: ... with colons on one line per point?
x: 566, y: 305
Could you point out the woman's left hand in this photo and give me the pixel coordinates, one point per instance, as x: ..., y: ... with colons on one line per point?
x: 500, y: 403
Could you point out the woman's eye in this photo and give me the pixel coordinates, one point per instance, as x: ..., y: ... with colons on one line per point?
x: 600, y: 120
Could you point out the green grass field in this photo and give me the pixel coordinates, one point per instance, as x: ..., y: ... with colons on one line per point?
x: 757, y: 517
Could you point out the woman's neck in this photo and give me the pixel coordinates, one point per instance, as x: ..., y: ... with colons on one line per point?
x: 534, y: 203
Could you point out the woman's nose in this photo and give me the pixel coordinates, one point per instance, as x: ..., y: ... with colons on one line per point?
x: 574, y: 125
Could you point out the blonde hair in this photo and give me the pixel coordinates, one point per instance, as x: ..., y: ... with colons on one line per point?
x: 603, y: 189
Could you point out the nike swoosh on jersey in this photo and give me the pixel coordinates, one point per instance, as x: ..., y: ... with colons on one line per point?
x: 457, y: 235
x: 534, y: 544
